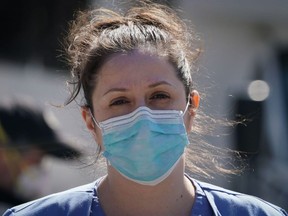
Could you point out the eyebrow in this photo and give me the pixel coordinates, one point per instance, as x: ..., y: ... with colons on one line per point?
x: 115, y: 90
x: 159, y: 83
x: 125, y: 90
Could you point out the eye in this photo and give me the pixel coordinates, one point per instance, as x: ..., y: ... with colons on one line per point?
x: 159, y: 96
x: 119, y: 101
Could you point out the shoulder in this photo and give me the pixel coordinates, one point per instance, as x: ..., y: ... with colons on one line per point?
x: 229, y: 202
x: 75, y: 201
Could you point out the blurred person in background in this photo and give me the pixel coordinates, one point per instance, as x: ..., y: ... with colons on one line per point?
x: 26, y: 136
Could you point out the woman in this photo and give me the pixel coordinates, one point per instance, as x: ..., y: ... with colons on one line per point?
x: 135, y: 73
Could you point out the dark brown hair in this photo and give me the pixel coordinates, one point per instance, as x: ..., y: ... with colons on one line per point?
x: 151, y: 28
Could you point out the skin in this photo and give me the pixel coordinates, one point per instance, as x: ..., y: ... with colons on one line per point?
x: 126, y: 82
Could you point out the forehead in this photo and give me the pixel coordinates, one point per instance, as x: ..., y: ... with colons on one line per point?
x: 136, y: 59
x: 135, y: 68
x: 134, y: 65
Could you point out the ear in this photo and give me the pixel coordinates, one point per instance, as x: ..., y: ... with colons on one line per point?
x: 194, y: 101
x: 88, y: 120
x: 86, y: 115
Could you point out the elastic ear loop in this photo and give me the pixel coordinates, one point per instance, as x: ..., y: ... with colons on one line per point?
x: 186, y: 108
x: 97, y: 124
x: 187, y: 105
x: 94, y: 120
x: 191, y: 101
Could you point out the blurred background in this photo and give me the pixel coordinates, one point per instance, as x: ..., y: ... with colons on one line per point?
x: 243, y: 72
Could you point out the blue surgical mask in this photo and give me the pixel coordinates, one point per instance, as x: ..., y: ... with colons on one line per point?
x: 145, y: 145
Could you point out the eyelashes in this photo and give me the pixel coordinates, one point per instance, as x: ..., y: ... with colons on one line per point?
x: 159, y: 96
x: 118, y: 102
x: 155, y: 98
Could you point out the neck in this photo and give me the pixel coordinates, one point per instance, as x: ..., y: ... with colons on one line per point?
x: 175, y: 193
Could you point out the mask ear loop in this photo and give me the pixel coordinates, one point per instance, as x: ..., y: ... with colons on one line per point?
x: 187, y: 105
x: 94, y: 120
x: 98, y: 125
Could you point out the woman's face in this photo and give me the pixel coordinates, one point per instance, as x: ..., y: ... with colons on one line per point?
x: 128, y: 81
